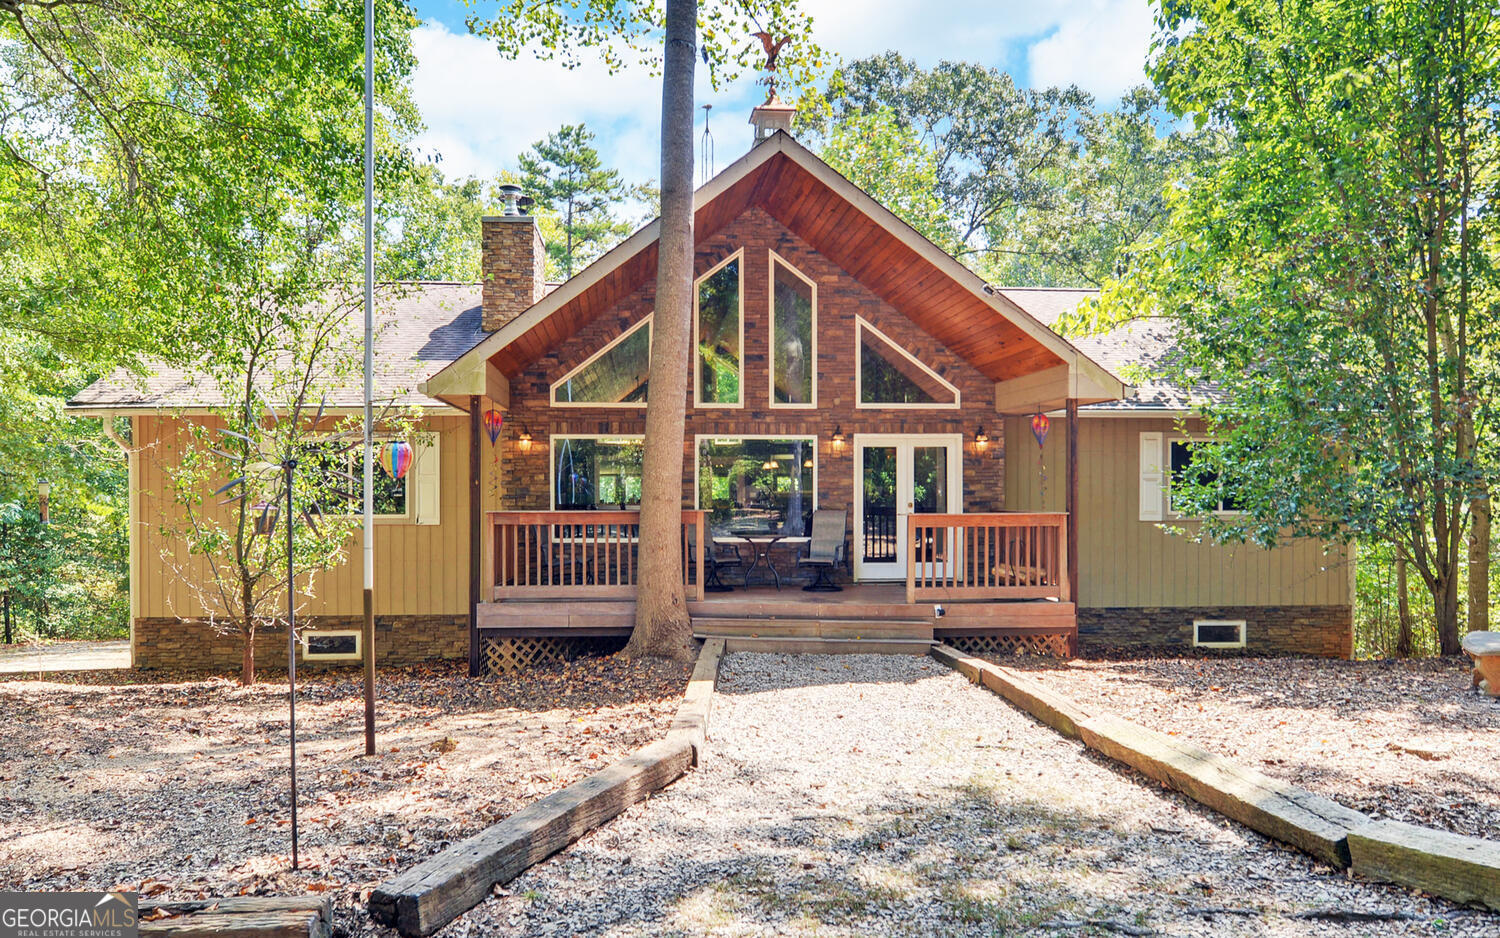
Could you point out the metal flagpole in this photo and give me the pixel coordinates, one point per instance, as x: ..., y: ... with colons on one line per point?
x: 369, y: 480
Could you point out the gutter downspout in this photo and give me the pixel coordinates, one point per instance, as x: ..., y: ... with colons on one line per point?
x: 132, y: 494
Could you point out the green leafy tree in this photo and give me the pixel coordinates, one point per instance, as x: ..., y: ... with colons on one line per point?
x: 1111, y: 197
x: 668, y: 37
x: 886, y: 159
x: 997, y: 149
x: 1332, y: 274
x: 430, y: 228
x: 566, y: 177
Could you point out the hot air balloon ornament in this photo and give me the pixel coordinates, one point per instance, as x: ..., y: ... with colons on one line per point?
x: 493, y: 422
x: 395, y: 458
x: 1040, y: 424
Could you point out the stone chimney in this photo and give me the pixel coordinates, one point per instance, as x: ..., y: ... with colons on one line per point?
x: 772, y: 116
x: 512, y: 261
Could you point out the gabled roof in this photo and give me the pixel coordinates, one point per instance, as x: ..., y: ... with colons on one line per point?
x: 420, y: 328
x: 896, y: 262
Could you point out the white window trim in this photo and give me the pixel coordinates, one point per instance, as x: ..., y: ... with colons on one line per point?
x: 772, y: 261
x: 552, y: 455
x: 740, y: 437
x: 309, y: 655
x: 697, y: 368
x: 411, y: 494
x: 1236, y: 622
x: 1166, y: 478
x: 860, y: 323
x: 621, y: 405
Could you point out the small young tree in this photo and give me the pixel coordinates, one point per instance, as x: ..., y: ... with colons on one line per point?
x: 564, y: 174
x: 226, y: 473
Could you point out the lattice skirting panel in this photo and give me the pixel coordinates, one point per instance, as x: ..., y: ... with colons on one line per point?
x: 505, y: 655
x: 1002, y: 646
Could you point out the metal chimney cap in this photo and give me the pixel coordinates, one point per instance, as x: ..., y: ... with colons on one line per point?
x: 512, y: 199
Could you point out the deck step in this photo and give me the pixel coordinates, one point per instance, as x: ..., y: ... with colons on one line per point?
x: 828, y: 646
x: 758, y: 627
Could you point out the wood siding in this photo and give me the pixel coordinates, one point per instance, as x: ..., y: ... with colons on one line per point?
x: 420, y: 570
x: 1126, y: 562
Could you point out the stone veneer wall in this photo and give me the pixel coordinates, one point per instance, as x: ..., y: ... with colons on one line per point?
x: 514, y: 261
x: 1324, y: 631
x: 399, y: 640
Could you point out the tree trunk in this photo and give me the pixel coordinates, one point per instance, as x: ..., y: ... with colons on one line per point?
x: 1479, y: 563
x: 1445, y: 608
x: 247, y: 658
x: 1403, y: 611
x: 661, y: 620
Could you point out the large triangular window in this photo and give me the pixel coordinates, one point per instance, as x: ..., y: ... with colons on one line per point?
x: 615, y: 376
x: 890, y: 376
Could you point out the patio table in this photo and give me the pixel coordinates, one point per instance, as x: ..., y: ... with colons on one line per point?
x: 761, y: 544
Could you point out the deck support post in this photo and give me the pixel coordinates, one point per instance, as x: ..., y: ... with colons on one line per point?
x: 1072, y: 502
x: 476, y: 543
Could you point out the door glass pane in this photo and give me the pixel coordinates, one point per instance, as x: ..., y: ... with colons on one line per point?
x: 879, y: 535
x: 929, y: 479
x: 719, y: 336
x: 929, y: 494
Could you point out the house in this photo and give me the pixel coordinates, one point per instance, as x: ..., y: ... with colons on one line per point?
x: 840, y: 361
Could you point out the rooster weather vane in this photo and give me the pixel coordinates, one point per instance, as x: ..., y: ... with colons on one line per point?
x: 772, y: 46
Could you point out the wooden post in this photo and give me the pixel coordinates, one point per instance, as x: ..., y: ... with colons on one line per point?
x: 1072, y: 502
x: 476, y: 533
x: 700, y: 590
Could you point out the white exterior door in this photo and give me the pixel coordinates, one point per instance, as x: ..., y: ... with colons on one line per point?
x: 896, y: 476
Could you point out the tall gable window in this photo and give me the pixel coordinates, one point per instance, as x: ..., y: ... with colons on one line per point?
x: 615, y: 376
x: 794, y: 336
x: 890, y: 376
x: 719, y: 334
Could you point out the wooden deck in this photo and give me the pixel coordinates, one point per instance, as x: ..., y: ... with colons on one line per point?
x: 997, y: 581
x: 877, y: 611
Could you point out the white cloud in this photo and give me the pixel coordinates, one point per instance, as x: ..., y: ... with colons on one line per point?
x: 1099, y: 45
x: 482, y: 110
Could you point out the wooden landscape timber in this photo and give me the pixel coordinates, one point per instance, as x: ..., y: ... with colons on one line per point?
x: 239, y: 917
x: 1463, y: 869
x: 1053, y: 709
x: 431, y: 894
x: 1458, y: 868
x: 1313, y: 824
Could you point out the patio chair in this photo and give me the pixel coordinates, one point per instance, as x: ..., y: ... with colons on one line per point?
x: 825, y: 550
x: 716, y: 557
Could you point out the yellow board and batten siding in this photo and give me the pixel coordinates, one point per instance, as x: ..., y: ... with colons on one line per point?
x: 420, y: 569
x: 1126, y: 562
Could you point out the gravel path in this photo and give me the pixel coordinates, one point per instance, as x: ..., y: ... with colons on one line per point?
x: 887, y: 795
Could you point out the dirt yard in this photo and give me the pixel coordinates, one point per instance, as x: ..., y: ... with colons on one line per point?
x: 1405, y: 740
x: 178, y: 787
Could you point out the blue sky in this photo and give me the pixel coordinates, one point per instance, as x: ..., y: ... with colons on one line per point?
x: 482, y: 110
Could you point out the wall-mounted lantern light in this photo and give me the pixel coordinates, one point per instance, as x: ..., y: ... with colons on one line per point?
x: 524, y: 437
x: 981, y: 440
x: 838, y: 438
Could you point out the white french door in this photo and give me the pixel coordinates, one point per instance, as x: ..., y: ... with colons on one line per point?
x: 896, y: 476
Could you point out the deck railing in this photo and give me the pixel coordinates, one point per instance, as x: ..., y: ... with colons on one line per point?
x: 1009, y: 555
x: 576, y: 554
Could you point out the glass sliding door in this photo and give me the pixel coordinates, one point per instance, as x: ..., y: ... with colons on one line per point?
x: 897, y: 476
